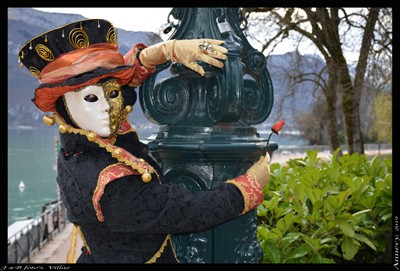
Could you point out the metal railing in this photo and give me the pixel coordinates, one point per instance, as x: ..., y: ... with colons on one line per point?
x: 38, y: 232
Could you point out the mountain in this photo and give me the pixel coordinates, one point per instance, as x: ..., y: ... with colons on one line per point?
x: 25, y: 23
x: 290, y: 98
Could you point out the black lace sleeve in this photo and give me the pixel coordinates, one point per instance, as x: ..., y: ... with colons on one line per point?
x: 129, y: 205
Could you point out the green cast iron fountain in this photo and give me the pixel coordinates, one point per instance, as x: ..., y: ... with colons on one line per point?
x: 205, y: 134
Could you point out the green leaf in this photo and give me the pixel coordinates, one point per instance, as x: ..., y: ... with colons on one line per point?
x: 387, y: 216
x: 298, y: 190
x: 368, y: 202
x: 348, y: 248
x: 362, y: 212
x: 317, y: 258
x: 284, y: 223
x: 288, y: 239
x: 263, y: 232
x: 274, y: 234
x: 296, y: 253
x: 313, y: 244
x: 272, y: 252
x: 342, y: 196
x: 334, y: 157
x: 364, y: 239
x: 314, y: 194
x: 345, y: 227
x: 345, y: 217
x: 312, y: 157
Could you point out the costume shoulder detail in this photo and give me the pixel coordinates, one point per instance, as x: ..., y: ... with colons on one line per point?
x: 106, y: 176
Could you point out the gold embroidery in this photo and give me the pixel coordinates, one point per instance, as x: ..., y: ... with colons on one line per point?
x: 34, y: 71
x: 251, y: 191
x: 44, y: 52
x: 112, y: 36
x: 78, y: 38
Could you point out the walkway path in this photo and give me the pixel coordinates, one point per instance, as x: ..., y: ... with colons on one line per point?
x: 56, y: 250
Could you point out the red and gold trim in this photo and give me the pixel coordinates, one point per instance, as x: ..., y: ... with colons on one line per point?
x: 106, y: 176
x: 125, y: 127
x: 251, y: 191
x: 123, y: 156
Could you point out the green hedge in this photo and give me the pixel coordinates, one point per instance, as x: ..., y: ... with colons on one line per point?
x: 335, y: 210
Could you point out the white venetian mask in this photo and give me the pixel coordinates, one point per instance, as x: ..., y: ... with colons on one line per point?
x: 96, y: 108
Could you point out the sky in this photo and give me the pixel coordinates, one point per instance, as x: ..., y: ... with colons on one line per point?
x: 137, y: 19
x: 121, y: 18
x: 151, y: 19
x: 131, y: 19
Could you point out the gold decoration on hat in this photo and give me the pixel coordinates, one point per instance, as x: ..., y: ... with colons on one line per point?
x: 19, y: 59
x: 112, y: 36
x: 34, y: 71
x: 44, y: 52
x: 78, y: 38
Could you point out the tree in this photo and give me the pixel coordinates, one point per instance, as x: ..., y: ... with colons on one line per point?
x: 333, y: 31
x: 382, y: 112
x: 311, y: 125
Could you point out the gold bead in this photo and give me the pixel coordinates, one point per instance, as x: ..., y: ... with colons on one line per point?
x: 91, y: 136
x: 146, y: 177
x: 117, y: 152
x: 140, y: 160
x: 128, y: 108
x: 63, y: 129
x: 48, y: 120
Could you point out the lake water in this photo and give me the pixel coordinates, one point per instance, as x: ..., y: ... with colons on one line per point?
x: 32, y: 160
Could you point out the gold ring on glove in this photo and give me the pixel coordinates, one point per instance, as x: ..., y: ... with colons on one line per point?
x: 205, y: 47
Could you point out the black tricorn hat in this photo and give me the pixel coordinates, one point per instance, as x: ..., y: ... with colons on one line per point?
x: 39, y: 51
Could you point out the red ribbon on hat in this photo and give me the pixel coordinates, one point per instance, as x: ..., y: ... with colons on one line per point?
x: 84, y: 60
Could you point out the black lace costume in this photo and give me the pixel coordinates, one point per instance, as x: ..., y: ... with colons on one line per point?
x: 138, y: 216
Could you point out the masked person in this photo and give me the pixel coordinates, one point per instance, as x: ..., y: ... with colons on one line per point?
x: 113, y: 190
